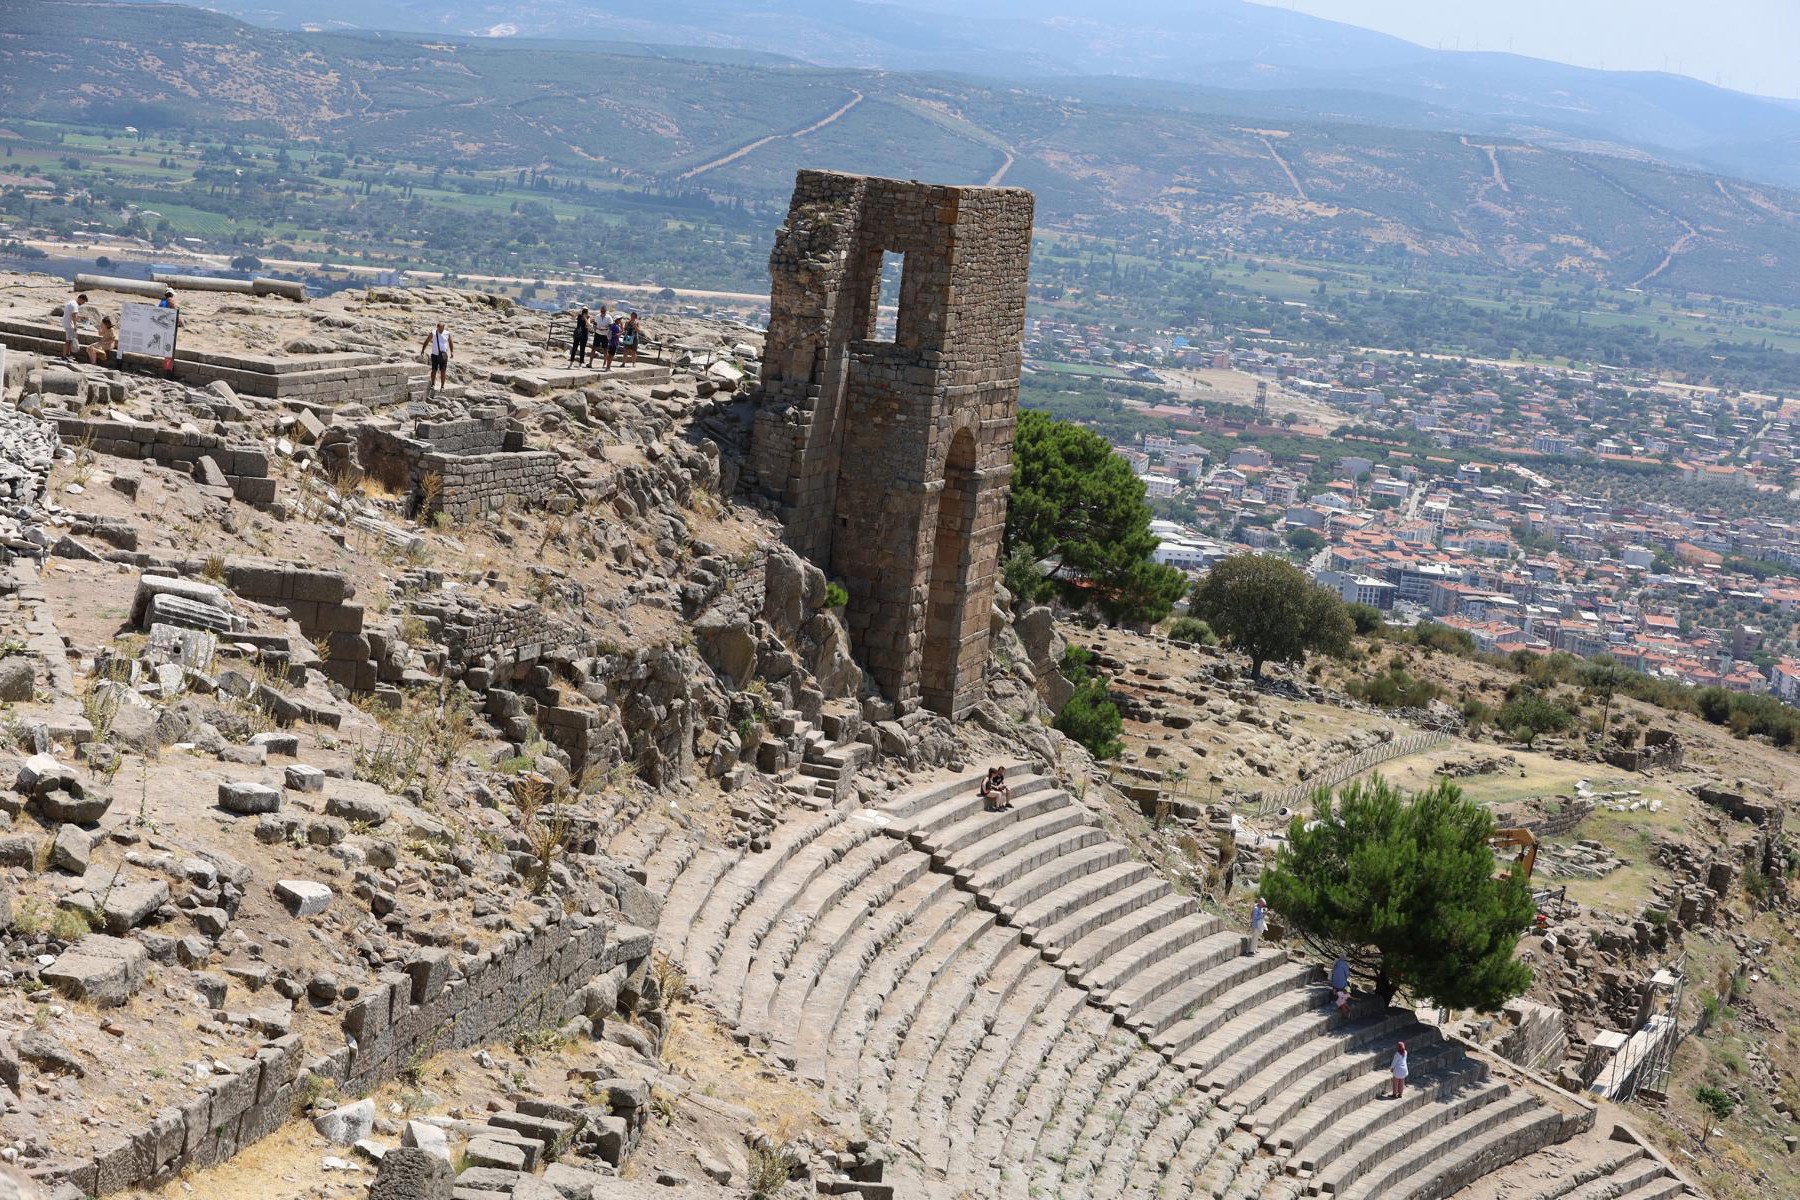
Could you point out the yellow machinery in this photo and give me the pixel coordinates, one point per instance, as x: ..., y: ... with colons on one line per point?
x: 1524, y: 839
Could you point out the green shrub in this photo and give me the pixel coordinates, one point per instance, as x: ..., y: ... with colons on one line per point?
x: 835, y: 596
x: 1077, y: 663
x: 1397, y: 688
x: 1365, y: 618
x: 1193, y: 631
x: 1091, y: 718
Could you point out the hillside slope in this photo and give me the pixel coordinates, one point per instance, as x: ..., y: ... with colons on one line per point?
x: 1249, y: 48
x: 1113, y: 164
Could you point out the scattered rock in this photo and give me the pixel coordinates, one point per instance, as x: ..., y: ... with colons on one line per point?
x: 303, y: 897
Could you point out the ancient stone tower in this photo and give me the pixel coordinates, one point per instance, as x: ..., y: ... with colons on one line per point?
x: 890, y: 461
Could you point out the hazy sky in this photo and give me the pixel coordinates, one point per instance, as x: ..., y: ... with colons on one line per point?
x: 1751, y: 45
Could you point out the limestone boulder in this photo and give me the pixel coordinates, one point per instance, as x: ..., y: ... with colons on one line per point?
x: 104, y: 970
x: 350, y: 1124
x: 18, y: 679
x: 825, y: 650
x: 784, y: 591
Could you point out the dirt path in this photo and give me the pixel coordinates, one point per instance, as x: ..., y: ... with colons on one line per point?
x: 1286, y: 170
x: 1493, y: 161
x: 994, y: 180
x: 1689, y: 234
x: 856, y: 98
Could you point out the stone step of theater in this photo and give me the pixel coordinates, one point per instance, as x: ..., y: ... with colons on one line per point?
x: 1019, y: 1001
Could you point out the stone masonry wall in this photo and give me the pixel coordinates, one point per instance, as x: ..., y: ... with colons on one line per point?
x: 245, y: 467
x: 480, y: 465
x: 472, y: 484
x: 890, y: 462
x: 474, y: 435
x: 437, y: 1002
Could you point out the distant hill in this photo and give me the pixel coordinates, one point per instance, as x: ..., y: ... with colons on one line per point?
x: 1214, y: 44
x: 1254, y: 172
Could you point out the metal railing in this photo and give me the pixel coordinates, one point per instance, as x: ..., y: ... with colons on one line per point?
x: 1264, y: 803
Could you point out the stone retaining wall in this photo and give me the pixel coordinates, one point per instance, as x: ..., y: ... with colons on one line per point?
x: 474, y: 466
x: 516, y: 634
x: 245, y: 466
x: 437, y: 1003
x: 472, y: 484
x: 474, y: 435
x: 319, y: 601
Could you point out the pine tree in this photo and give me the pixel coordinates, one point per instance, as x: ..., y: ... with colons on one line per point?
x: 1405, y: 889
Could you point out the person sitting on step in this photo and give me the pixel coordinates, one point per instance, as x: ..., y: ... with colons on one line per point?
x: 994, y: 792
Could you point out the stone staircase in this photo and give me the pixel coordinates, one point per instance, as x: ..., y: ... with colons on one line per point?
x: 1024, y: 1006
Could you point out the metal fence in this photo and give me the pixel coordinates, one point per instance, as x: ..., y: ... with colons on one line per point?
x: 1264, y: 803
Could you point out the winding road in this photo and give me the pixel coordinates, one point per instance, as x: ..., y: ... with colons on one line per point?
x: 856, y: 98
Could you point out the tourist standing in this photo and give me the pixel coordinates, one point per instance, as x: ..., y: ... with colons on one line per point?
x: 1399, y: 1070
x: 1259, y: 921
x: 598, y: 346
x: 70, y: 313
x: 614, y: 333
x: 578, y: 347
x: 1340, y: 974
x: 629, y: 340
x: 442, y: 348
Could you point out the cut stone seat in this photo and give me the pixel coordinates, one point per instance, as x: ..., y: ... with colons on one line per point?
x: 1356, y: 1151
x: 689, y: 890
x: 1284, y: 1014
x: 1370, y: 1027
x: 875, y: 981
x: 1023, y: 892
x: 1094, y: 903
x: 1135, y: 1164
x: 1663, y: 1187
x: 808, y: 1045
x: 1456, y: 1151
x: 1035, y: 849
x: 1107, y: 1081
x: 1012, y: 1067
x: 841, y: 853
x: 1310, y: 1034
x: 1004, y: 838
x: 1073, y: 1063
x: 1368, y: 1047
x: 1220, y: 950
x: 1208, y: 984
x: 739, y: 886
x: 831, y: 913
x: 902, y: 1005
x: 1032, y: 1003
x: 1354, y: 1097
x: 1115, y: 953
x: 945, y: 841
x: 912, y: 811
x: 954, y: 990
x: 1643, y: 1178
x: 918, y: 1099
x: 663, y: 865
x: 772, y: 965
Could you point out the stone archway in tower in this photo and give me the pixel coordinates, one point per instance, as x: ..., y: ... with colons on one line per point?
x: 946, y: 601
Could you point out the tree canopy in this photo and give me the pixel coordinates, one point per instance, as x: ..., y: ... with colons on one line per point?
x: 1270, y: 610
x: 1405, y: 889
x: 1075, y: 501
x: 1532, y: 713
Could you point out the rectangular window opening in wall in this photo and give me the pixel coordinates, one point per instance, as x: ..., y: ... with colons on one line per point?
x: 887, y: 312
